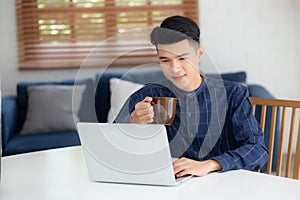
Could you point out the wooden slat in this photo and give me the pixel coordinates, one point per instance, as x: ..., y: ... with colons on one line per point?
x: 83, y: 50
x: 84, y: 55
x: 99, y: 56
x: 87, y: 29
x: 263, y: 117
x: 52, y: 5
x: 84, y: 24
x: 102, y: 8
x: 71, y: 65
x: 296, y: 172
x: 254, y: 109
x: 290, y: 145
x: 112, y: 9
x: 81, y: 25
x: 105, y: 44
x: 281, y: 141
x: 27, y: 18
x: 272, y: 139
x: 66, y: 4
x: 98, y: 49
x: 275, y: 102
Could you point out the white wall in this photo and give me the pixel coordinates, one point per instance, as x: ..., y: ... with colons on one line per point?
x: 259, y: 36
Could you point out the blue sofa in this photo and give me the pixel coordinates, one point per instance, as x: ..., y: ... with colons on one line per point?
x: 14, y: 110
x: 13, y: 113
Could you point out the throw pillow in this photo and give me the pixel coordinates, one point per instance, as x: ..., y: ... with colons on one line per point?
x: 51, y: 108
x: 120, y: 92
x: 86, y: 113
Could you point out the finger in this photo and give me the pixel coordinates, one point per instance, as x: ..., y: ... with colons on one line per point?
x: 140, y: 120
x: 151, y: 112
x: 142, y: 105
x: 181, y: 164
x: 181, y: 161
x: 183, y: 173
x: 145, y: 112
x: 146, y: 119
x: 148, y: 99
x: 178, y: 168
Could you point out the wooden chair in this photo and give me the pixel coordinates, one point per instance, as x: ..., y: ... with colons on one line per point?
x: 284, y: 105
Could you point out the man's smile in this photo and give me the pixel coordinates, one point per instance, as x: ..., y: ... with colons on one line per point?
x: 178, y: 77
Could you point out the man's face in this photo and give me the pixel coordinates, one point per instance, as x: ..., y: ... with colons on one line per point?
x: 179, y: 63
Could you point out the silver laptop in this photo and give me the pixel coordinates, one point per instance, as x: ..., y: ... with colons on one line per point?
x: 128, y: 153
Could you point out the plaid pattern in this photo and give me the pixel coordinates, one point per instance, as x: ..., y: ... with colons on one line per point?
x: 213, y: 122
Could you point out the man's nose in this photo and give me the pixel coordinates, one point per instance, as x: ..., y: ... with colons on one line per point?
x: 176, y: 65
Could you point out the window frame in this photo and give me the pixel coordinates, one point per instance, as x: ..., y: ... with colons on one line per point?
x: 33, y: 55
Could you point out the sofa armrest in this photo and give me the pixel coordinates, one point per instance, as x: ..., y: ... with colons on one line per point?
x: 9, y: 118
x: 259, y: 91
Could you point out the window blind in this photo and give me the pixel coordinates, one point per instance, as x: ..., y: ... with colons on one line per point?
x: 56, y: 34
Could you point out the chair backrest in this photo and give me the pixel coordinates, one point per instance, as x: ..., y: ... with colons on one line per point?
x: 282, y: 108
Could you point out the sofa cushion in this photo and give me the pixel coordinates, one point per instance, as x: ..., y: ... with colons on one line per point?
x: 52, y: 108
x: 87, y: 109
x: 120, y: 91
x: 40, y: 141
x: 240, y: 77
x: 102, y: 94
x: 144, y: 77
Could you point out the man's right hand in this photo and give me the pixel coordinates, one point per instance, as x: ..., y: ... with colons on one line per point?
x: 143, y: 113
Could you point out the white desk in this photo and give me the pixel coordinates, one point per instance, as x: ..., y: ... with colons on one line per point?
x: 61, y: 174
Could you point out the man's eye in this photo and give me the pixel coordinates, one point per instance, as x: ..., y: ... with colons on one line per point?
x: 164, y: 61
x: 181, y: 58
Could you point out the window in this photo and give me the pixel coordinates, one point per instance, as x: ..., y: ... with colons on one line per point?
x: 61, y: 33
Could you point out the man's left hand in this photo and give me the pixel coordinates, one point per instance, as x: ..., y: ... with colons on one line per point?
x: 185, y: 166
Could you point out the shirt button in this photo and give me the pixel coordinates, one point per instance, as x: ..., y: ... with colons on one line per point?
x: 189, y: 114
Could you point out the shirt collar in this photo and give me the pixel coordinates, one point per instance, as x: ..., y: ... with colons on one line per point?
x: 182, y: 93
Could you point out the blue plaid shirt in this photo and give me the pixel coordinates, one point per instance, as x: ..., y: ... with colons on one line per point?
x: 215, y: 121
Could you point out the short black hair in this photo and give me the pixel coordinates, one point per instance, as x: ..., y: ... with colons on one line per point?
x: 175, y: 29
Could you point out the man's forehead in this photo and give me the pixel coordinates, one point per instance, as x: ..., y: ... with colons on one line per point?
x: 177, y: 48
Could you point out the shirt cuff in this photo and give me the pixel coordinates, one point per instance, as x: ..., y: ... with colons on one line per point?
x: 225, y: 165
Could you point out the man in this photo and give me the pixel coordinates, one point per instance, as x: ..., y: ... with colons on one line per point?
x: 214, y: 129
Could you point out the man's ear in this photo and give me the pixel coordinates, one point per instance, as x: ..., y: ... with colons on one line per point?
x: 200, y: 53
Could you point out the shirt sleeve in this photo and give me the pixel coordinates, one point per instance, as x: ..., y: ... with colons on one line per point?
x: 251, y: 153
